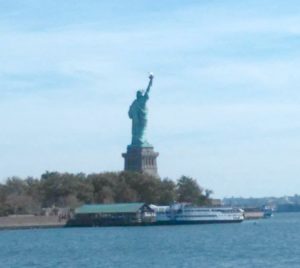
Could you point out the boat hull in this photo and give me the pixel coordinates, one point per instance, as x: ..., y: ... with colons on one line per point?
x: 158, y: 223
x: 195, y: 222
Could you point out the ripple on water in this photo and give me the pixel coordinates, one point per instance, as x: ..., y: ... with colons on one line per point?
x: 268, y: 243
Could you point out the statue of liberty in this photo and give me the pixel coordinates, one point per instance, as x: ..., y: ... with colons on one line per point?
x: 138, y: 114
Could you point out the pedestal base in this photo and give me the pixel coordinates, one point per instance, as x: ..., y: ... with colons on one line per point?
x: 141, y: 159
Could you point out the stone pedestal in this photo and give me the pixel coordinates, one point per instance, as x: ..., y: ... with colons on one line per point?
x: 141, y: 159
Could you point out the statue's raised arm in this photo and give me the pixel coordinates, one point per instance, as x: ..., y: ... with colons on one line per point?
x: 151, y: 76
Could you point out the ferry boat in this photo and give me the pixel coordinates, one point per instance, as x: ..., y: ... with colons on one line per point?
x: 184, y: 213
x: 268, y: 212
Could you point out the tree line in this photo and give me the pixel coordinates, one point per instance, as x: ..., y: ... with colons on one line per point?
x: 54, y: 189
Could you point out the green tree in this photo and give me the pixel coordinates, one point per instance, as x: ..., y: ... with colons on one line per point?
x: 4, y: 207
x: 189, y: 191
x: 34, y: 192
x: 17, y: 197
x: 85, y: 190
x: 167, y: 192
x: 30, y: 195
x: 146, y: 186
x: 57, y: 187
x: 103, y: 185
x: 123, y: 191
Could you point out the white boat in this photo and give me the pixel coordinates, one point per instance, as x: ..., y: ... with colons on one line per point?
x: 184, y: 213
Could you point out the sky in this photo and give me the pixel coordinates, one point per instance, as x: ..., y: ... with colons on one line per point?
x: 224, y: 107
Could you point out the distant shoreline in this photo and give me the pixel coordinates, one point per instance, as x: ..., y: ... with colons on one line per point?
x: 25, y: 227
x: 14, y: 222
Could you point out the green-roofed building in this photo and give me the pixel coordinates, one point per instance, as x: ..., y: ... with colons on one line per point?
x: 113, y: 214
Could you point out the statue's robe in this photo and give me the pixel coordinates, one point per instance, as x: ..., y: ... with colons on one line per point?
x: 138, y: 114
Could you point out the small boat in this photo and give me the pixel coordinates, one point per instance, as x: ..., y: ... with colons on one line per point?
x: 268, y: 213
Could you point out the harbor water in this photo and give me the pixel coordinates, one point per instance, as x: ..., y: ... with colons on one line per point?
x: 270, y: 242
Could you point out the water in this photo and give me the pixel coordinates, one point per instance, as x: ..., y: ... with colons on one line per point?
x: 265, y: 243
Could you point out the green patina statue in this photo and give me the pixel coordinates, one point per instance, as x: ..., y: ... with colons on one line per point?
x: 138, y: 114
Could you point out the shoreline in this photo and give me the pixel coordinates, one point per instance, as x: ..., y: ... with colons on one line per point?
x: 27, y: 227
x: 15, y: 222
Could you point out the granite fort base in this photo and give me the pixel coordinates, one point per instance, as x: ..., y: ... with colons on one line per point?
x: 141, y: 159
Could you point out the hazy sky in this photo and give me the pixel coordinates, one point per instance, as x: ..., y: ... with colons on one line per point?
x: 224, y: 107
